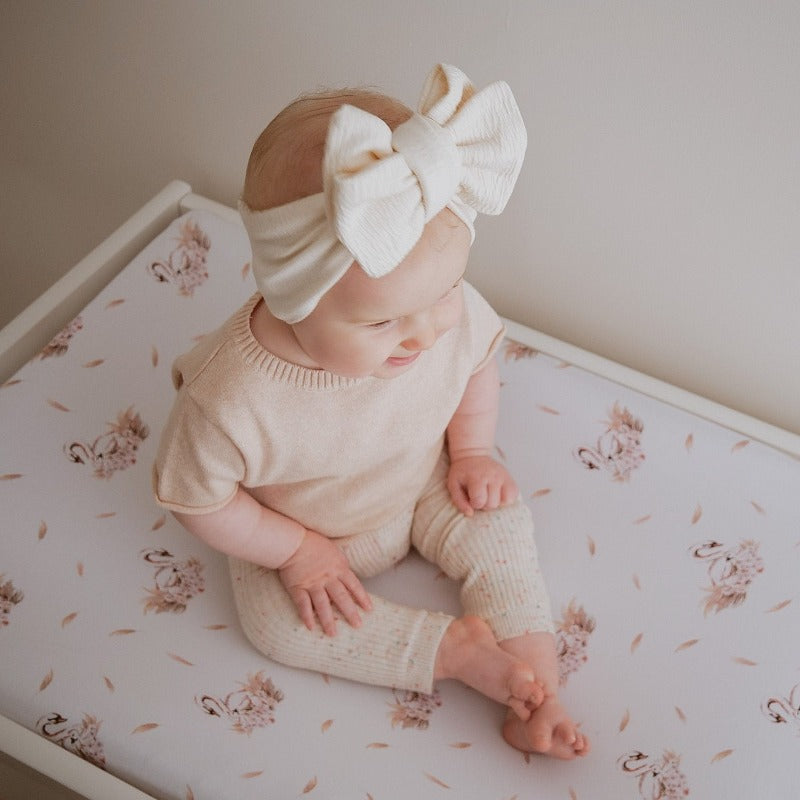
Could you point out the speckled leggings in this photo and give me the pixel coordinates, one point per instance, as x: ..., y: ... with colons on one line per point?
x: 492, y: 554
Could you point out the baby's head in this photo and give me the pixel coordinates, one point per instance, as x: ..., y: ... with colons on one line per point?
x: 286, y: 161
x: 360, y: 215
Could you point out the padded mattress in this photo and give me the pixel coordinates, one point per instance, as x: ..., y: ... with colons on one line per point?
x: 671, y: 546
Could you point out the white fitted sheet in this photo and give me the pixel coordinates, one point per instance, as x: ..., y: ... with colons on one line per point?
x: 671, y: 546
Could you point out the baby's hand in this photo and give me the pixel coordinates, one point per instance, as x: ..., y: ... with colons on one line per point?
x: 317, y: 578
x: 479, y: 483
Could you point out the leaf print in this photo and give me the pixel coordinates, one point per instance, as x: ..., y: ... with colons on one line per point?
x: 180, y: 660
x: 636, y: 582
x: 145, y: 728
x: 79, y: 569
x: 778, y: 607
x: 159, y: 523
x: 310, y: 786
x: 719, y: 756
x: 326, y: 725
x: 10, y: 383
x: 689, y: 444
x: 460, y: 745
x: 115, y: 303
x: 69, y: 618
x: 745, y: 662
x: 245, y: 270
x: 42, y: 530
x: 435, y: 780
x: 757, y: 507
x: 154, y: 356
x: 626, y: 718
x: 540, y: 493
x: 215, y: 627
x: 548, y: 410
x: 637, y: 640
x: 592, y: 546
x: 46, y: 681
x: 189, y: 793
x: 573, y: 795
x: 681, y: 715
x: 11, y: 476
x: 698, y: 512
x: 740, y: 445
x: 122, y: 632
x: 106, y: 515
x: 108, y: 683
x: 377, y: 745
x: 642, y: 520
x: 248, y: 775
x: 92, y: 364
x: 686, y: 645
x: 57, y: 406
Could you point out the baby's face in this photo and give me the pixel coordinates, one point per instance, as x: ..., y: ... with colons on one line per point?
x: 379, y: 326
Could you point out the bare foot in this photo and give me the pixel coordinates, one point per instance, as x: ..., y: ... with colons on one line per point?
x: 549, y: 731
x: 469, y: 653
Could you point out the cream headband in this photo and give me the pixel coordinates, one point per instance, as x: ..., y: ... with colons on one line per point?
x: 463, y: 150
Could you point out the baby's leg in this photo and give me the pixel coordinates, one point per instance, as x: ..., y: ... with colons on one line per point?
x: 494, y: 555
x: 395, y: 646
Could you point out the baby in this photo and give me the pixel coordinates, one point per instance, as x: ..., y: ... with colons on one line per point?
x: 347, y: 411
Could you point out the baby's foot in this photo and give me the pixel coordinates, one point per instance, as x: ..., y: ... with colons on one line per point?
x: 470, y: 653
x: 549, y: 731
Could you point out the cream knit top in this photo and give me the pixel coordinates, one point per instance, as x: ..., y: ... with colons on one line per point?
x: 341, y: 456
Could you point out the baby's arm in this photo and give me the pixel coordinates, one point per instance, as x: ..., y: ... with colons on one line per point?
x: 476, y: 481
x: 312, y: 568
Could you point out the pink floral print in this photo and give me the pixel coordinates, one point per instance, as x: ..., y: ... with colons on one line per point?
x: 113, y: 450
x: 659, y: 779
x: 249, y: 707
x: 572, y: 640
x: 414, y: 709
x: 59, y: 344
x: 618, y: 449
x: 80, y: 738
x: 730, y: 570
x: 9, y: 597
x: 185, y: 267
x: 176, y: 581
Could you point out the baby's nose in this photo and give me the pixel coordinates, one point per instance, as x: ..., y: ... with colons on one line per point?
x: 422, y: 335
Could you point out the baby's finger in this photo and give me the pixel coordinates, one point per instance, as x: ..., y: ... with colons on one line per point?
x: 492, y: 496
x: 460, y: 498
x: 478, y: 494
x: 356, y: 588
x: 324, y: 612
x: 510, y: 494
x: 343, y: 600
x: 304, y: 607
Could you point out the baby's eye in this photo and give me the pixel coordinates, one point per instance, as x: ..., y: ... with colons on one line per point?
x: 376, y: 326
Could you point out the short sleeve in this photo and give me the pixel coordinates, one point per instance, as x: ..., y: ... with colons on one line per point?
x: 198, y: 468
x: 485, y: 326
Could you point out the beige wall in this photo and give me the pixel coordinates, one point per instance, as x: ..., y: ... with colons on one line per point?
x: 656, y: 218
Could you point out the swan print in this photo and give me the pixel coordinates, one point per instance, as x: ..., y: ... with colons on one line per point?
x: 79, y: 738
x: 185, y: 267
x: 658, y: 779
x: 250, y: 706
x: 784, y: 710
x: 176, y: 582
x: 730, y: 570
x: 618, y: 449
x: 113, y: 450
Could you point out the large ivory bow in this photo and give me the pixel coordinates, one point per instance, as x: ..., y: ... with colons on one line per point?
x: 464, y: 150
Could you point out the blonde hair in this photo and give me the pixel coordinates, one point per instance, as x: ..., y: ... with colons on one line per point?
x: 286, y: 161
